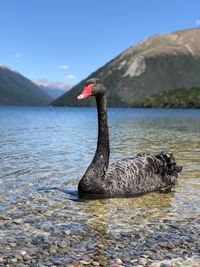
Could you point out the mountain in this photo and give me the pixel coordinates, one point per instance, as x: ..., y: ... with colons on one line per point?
x: 15, y: 89
x: 53, y: 89
x: 160, y: 71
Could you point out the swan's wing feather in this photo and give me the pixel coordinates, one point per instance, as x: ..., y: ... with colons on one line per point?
x: 140, y: 174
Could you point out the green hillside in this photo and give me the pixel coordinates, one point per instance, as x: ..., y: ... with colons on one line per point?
x: 15, y: 89
x: 178, y: 98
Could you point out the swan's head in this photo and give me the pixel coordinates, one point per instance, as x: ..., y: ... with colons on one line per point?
x: 93, y: 87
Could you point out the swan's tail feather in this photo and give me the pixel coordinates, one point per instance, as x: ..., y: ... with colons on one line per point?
x: 169, y: 164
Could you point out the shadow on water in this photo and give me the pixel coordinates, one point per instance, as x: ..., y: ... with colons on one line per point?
x: 71, y: 193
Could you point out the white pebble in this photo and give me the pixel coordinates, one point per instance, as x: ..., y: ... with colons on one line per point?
x: 23, y: 252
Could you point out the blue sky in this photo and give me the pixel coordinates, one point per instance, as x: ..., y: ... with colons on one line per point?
x: 66, y: 40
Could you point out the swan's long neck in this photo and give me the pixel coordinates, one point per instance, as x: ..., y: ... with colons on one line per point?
x: 91, y: 181
x: 103, y: 148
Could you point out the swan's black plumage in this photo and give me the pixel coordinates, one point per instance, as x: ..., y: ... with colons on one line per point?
x: 127, y: 177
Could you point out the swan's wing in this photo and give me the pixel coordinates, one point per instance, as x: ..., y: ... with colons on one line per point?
x: 137, y: 175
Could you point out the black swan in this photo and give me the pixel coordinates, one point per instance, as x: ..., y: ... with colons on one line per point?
x: 126, y: 177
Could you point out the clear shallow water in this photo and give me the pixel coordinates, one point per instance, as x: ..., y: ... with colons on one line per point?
x: 46, y: 147
x: 45, y: 151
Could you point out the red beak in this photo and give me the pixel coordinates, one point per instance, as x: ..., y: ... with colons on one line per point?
x: 87, y: 91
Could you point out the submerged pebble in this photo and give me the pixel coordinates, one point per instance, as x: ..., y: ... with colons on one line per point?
x: 149, y: 246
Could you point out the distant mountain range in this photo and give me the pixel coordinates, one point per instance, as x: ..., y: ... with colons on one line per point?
x: 53, y: 89
x: 160, y: 71
x: 15, y: 89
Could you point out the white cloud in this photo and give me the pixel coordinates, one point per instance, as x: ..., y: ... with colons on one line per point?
x: 52, y: 84
x: 64, y: 67
x: 197, y: 22
x: 70, y: 76
x: 18, y: 55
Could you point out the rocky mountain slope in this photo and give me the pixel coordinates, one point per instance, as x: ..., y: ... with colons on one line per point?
x: 156, y: 68
x: 53, y: 89
x: 15, y: 89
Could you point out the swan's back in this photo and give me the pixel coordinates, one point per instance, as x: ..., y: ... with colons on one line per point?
x: 141, y: 174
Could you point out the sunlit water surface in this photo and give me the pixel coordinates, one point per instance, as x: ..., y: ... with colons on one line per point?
x: 45, y: 151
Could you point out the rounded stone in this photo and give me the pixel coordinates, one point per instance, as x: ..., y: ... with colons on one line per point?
x: 95, y: 263
x: 118, y: 261
x: 14, y: 260
x: 63, y: 244
x: 12, y: 245
x: 18, y: 257
x: 23, y: 252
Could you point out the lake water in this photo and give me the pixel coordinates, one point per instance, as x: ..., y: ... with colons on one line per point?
x: 45, y: 151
